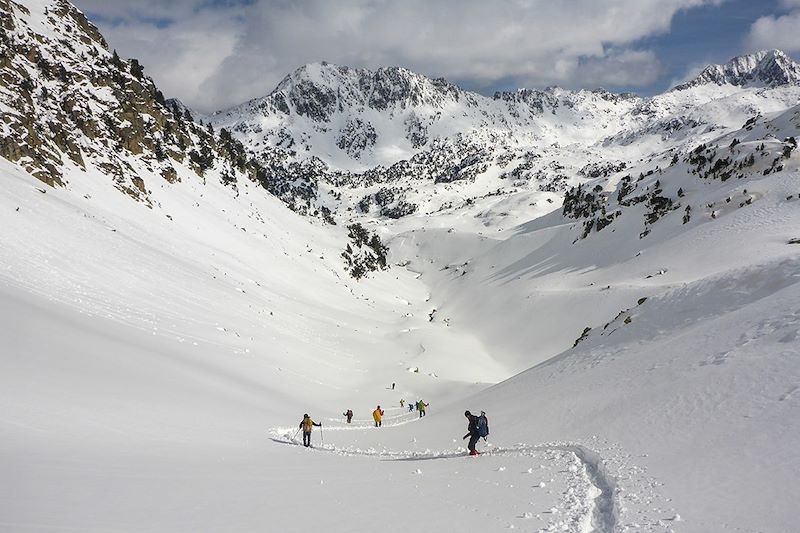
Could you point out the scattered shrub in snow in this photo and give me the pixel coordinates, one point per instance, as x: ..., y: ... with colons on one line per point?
x: 601, y: 169
x: 583, y: 336
x: 401, y: 209
x: 366, y: 252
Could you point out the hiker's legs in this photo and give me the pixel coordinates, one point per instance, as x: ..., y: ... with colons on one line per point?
x: 473, y: 440
x: 306, y: 438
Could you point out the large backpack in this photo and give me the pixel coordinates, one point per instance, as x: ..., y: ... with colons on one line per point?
x: 483, y: 426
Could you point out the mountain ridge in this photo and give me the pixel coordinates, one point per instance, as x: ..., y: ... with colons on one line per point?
x: 373, y: 152
x: 324, y: 91
x: 344, y: 143
x: 772, y: 67
x: 766, y: 68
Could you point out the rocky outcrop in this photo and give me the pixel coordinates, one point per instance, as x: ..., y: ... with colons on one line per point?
x: 768, y: 68
x: 68, y: 102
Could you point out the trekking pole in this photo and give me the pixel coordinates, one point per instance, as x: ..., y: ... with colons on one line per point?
x: 321, y: 440
x: 296, y: 433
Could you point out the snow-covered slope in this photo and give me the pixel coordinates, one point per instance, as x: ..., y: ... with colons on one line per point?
x: 671, y: 300
x: 175, y: 336
x: 622, y: 271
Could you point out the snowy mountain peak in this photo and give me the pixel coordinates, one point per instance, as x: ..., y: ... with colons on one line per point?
x: 770, y: 68
x: 317, y: 90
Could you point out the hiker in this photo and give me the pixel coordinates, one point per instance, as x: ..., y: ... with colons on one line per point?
x: 392, y: 386
x: 349, y: 415
x: 421, y: 408
x: 410, y: 407
x: 402, y: 403
x: 307, y: 425
x: 376, y: 415
x: 472, y: 433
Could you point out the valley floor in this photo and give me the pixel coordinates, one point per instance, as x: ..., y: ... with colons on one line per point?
x: 162, y: 442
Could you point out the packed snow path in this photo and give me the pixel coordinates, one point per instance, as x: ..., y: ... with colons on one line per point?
x: 564, y: 486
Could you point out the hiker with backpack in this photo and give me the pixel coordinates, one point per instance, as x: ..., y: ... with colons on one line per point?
x: 307, y: 425
x: 348, y: 415
x: 421, y: 408
x: 478, y: 427
x: 377, y: 414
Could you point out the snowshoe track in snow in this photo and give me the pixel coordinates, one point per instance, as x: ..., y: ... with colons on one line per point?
x: 587, y: 503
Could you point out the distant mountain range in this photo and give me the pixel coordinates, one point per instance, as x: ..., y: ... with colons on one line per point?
x: 355, y: 117
x: 373, y: 133
x: 335, y: 141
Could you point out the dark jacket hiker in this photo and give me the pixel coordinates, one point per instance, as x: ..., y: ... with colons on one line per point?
x: 472, y: 433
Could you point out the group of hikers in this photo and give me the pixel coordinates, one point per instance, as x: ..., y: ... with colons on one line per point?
x: 377, y: 414
x: 419, y: 405
x: 477, y: 426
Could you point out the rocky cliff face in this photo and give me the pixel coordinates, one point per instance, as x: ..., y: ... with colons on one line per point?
x: 318, y: 90
x: 70, y: 105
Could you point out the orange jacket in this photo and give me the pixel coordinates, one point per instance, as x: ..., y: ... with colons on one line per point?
x: 377, y: 414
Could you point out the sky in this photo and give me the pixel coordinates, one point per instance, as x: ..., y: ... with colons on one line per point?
x: 213, y: 54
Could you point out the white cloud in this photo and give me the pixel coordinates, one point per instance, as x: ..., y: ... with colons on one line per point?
x: 127, y: 11
x: 776, y: 32
x: 213, y: 57
x: 181, y: 43
x: 621, y: 67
